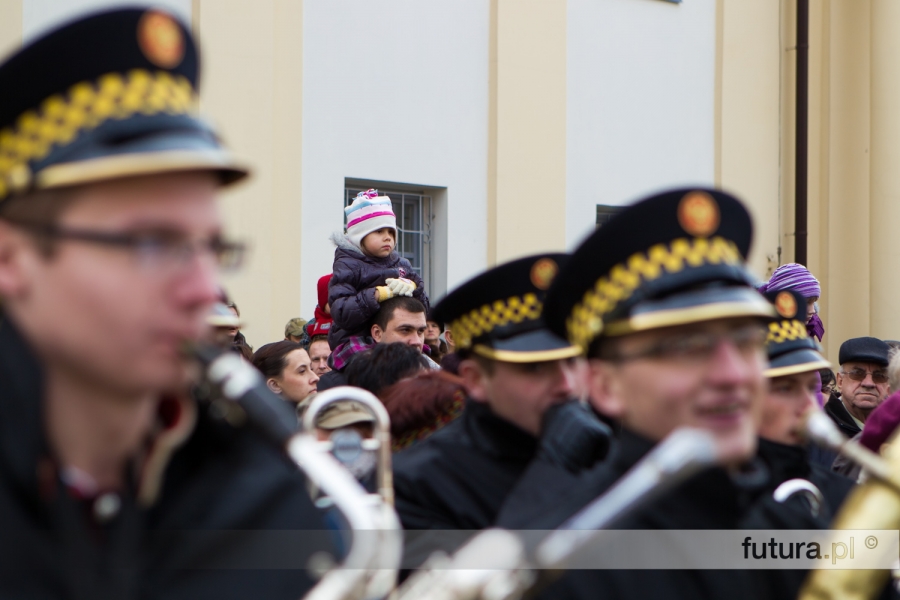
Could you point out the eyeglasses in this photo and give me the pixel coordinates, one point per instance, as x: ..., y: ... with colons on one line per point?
x: 701, y: 345
x: 153, y: 249
x: 860, y: 375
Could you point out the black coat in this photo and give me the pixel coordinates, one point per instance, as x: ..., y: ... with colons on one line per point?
x: 712, y: 499
x: 350, y: 291
x: 835, y: 409
x: 457, y: 478
x: 206, y: 534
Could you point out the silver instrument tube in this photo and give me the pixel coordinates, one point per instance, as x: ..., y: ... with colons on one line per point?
x: 679, y: 456
x: 374, y: 524
x: 386, y: 530
x: 682, y: 454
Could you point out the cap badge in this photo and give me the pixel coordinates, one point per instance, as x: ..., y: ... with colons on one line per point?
x: 786, y: 305
x: 543, y: 272
x: 698, y: 214
x: 160, y: 39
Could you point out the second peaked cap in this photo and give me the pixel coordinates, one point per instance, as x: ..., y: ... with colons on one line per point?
x: 499, y: 313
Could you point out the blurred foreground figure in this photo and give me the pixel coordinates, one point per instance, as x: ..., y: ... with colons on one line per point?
x: 660, y: 301
x: 113, y: 482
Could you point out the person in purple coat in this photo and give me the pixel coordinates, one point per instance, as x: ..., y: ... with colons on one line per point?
x: 367, y: 269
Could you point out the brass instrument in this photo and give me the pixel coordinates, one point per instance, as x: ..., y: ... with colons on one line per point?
x: 370, y: 562
x: 874, y: 504
x: 386, y: 533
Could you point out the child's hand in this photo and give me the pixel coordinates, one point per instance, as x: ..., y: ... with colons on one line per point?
x: 383, y: 292
x: 401, y: 287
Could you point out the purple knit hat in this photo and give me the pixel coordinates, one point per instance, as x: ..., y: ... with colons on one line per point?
x: 794, y: 276
x: 881, y: 423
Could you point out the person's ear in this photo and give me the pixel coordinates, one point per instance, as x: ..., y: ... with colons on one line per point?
x: 376, y: 332
x: 838, y: 380
x: 604, y: 388
x: 475, y: 380
x: 448, y: 335
x: 12, y: 256
x: 273, y: 385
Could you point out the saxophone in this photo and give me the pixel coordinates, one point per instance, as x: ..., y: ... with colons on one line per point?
x: 874, y: 504
x: 368, y: 566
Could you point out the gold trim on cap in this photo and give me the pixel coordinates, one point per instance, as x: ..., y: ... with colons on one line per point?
x: 794, y: 369
x: 137, y: 163
x: 486, y: 318
x: 784, y: 331
x: 530, y: 356
x: 688, y: 315
x: 585, y: 322
x: 85, y: 106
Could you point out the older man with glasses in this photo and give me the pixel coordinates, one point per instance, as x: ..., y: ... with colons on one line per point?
x: 862, y: 382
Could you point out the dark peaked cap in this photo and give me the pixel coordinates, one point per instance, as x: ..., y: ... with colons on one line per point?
x: 674, y: 258
x: 789, y: 348
x: 498, y: 314
x: 864, y: 349
x: 110, y: 95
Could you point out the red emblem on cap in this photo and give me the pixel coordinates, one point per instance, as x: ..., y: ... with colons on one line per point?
x: 698, y: 214
x: 161, y: 39
x: 786, y: 305
x: 543, y: 272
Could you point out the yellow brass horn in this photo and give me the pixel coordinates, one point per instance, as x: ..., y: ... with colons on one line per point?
x: 874, y: 504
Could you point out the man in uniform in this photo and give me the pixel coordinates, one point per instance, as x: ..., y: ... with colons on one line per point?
x: 674, y: 331
x: 513, y: 370
x: 113, y: 482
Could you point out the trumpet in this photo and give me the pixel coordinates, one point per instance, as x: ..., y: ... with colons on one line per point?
x: 387, y: 530
x: 874, y: 504
x: 374, y: 524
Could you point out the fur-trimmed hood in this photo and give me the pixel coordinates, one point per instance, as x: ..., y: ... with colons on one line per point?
x: 340, y: 239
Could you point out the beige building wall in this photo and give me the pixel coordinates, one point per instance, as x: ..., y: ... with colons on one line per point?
x: 527, y: 128
x: 10, y: 26
x: 251, y: 88
x: 748, y: 113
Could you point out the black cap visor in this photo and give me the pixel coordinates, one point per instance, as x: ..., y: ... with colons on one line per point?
x: 796, y: 361
x: 694, y: 306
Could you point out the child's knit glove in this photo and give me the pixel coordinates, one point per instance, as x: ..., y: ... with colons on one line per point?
x: 401, y: 287
x: 383, y: 292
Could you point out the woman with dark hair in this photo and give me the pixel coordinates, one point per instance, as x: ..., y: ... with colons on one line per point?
x: 286, y: 367
x: 421, y: 405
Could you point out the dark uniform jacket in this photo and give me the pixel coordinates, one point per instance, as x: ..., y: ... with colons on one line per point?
x: 457, y: 478
x: 713, y: 499
x: 201, y: 517
x: 835, y: 409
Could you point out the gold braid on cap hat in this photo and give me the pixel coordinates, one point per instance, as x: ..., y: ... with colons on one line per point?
x: 486, y: 318
x: 585, y: 321
x: 784, y: 331
x: 83, y: 107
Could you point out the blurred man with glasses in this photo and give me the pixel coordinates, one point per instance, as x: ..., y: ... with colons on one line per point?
x: 862, y: 382
x: 114, y: 483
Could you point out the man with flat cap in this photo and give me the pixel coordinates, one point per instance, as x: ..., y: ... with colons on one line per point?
x: 862, y: 383
x: 513, y: 370
x: 662, y: 304
x: 113, y: 482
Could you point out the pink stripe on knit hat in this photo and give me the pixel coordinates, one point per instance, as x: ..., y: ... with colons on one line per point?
x: 369, y: 216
